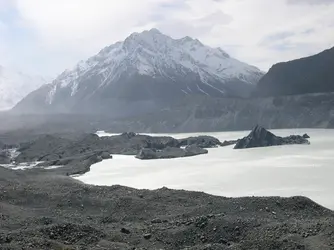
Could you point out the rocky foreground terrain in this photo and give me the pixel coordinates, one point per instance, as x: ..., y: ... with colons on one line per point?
x: 46, y: 209
x: 41, y: 210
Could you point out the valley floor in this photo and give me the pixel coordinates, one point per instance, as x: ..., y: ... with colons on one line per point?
x: 47, y: 209
x: 40, y: 210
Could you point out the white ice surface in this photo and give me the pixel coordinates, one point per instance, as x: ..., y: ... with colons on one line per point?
x: 306, y: 170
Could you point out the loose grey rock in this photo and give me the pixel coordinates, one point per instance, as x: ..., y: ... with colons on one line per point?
x: 147, y: 236
x: 43, y: 210
x: 125, y: 231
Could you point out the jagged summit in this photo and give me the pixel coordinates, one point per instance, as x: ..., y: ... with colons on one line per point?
x: 149, y: 66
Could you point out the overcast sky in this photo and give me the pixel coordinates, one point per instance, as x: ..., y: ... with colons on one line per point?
x: 47, y: 36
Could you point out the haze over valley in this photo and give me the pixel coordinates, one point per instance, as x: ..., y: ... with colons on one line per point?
x: 167, y: 125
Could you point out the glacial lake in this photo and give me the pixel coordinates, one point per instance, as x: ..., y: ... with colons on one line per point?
x: 290, y: 170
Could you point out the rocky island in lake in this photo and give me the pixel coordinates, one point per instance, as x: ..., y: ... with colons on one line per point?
x: 260, y: 137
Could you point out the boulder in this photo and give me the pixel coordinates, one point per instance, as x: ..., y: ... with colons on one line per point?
x: 125, y: 231
x: 200, y: 141
x: 260, y: 137
x: 105, y: 155
x: 147, y: 236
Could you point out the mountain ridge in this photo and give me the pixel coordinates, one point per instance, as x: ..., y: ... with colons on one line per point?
x: 147, y: 67
x: 313, y: 74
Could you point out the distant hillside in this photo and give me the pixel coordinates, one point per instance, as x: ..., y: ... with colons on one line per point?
x: 224, y: 114
x: 314, y: 74
x: 193, y: 114
x: 16, y: 85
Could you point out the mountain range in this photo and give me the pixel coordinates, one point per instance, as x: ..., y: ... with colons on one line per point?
x: 14, y: 86
x: 151, y: 82
x: 145, y: 72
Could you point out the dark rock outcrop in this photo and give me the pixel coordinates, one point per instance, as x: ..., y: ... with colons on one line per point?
x: 193, y: 150
x: 44, y: 148
x: 76, y: 155
x: 169, y: 152
x: 306, y: 136
x: 229, y: 143
x: 294, y: 139
x: 75, y: 165
x: 51, y: 148
x: 260, y: 137
x: 91, y: 158
x: 200, y: 141
x: 147, y: 154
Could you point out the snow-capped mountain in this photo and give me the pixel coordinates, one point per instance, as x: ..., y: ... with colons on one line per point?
x: 14, y: 86
x: 146, y: 69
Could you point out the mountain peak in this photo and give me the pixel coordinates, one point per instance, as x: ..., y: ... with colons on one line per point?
x: 146, y: 33
x: 154, y: 31
x: 151, y: 66
x: 188, y: 39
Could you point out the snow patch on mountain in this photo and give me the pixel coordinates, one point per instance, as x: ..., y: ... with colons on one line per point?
x: 154, y: 54
x: 14, y: 86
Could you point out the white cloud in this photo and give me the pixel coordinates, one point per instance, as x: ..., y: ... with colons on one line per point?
x: 4, y: 4
x: 67, y: 23
x: 251, y: 30
x: 310, y: 1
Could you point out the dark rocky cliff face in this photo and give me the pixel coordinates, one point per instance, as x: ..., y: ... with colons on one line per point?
x: 312, y: 74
